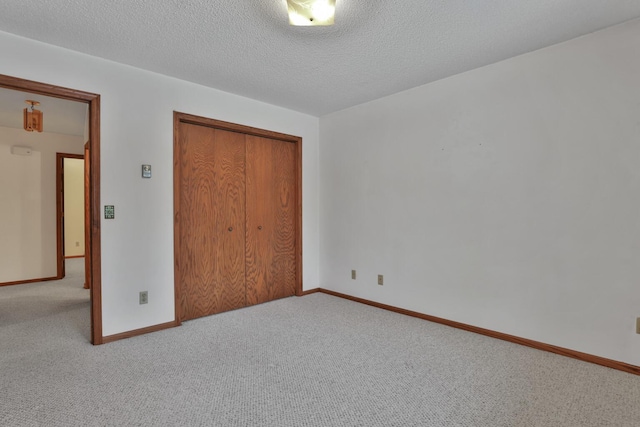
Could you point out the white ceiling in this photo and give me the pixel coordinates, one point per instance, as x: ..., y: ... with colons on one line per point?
x: 59, y: 115
x: 246, y: 47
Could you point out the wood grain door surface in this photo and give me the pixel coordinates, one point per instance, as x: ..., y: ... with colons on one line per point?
x: 212, y: 221
x: 236, y: 220
x: 271, y: 200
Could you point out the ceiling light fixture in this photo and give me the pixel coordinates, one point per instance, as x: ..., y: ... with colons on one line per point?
x: 33, y: 118
x: 311, y: 12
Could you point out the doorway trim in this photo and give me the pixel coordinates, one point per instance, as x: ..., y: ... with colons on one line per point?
x: 179, y: 118
x: 93, y: 100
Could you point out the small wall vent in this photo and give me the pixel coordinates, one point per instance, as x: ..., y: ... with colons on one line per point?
x: 20, y: 151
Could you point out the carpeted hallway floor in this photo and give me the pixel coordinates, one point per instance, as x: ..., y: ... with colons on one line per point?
x: 311, y: 361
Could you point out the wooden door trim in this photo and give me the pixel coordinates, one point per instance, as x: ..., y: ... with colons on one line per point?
x: 93, y: 100
x: 298, y: 175
x: 180, y: 118
x: 60, y: 257
x: 233, y: 127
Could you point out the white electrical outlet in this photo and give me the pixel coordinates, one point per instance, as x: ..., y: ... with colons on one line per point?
x: 144, y: 297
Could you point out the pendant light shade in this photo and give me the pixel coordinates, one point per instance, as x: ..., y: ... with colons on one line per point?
x: 32, y: 117
x: 311, y: 12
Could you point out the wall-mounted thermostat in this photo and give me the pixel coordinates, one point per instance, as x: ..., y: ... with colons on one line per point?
x: 146, y: 171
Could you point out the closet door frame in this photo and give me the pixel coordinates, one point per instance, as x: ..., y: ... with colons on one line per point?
x: 184, y: 118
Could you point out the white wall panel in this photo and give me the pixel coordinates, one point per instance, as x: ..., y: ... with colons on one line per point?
x: 507, y: 197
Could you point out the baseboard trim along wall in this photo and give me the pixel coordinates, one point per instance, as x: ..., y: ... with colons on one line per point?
x: 136, y: 332
x: 621, y: 366
x: 585, y: 357
x: 22, y: 282
x: 309, y: 292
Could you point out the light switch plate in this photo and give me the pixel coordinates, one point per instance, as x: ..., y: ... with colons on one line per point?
x: 146, y: 171
x: 109, y: 212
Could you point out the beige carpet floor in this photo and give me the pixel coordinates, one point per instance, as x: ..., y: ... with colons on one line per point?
x: 311, y: 361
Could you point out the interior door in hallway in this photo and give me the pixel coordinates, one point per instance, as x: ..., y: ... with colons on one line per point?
x: 211, y: 221
x: 271, y: 219
x: 87, y: 216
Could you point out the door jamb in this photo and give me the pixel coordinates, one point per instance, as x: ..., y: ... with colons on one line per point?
x: 93, y: 100
x: 87, y: 217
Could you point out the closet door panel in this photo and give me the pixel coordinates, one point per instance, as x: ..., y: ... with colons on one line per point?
x: 211, y: 255
x: 271, y: 229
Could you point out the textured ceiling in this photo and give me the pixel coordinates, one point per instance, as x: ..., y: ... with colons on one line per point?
x: 246, y: 47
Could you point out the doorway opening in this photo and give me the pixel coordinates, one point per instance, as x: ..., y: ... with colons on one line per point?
x: 92, y: 148
x: 72, y: 210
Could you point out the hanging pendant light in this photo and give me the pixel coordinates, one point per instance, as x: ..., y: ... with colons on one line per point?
x: 311, y: 12
x: 33, y: 117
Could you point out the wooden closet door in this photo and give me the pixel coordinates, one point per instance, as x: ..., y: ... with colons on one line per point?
x: 271, y: 214
x: 211, y: 218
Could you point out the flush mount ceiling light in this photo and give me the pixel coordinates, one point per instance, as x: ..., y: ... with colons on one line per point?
x: 33, y: 117
x: 311, y: 12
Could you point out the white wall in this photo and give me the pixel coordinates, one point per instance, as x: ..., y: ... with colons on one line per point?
x: 137, y: 128
x: 21, y: 249
x: 507, y: 197
x: 28, y: 203
x: 73, y: 207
